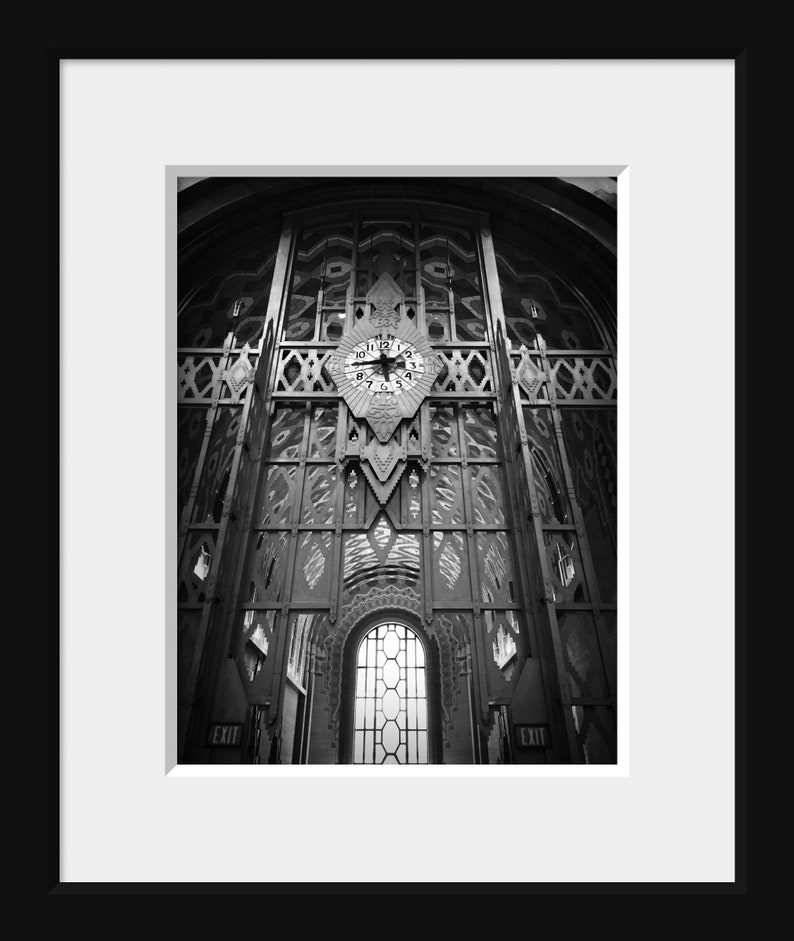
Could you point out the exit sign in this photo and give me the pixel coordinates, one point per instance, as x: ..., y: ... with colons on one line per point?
x: 224, y: 733
x: 533, y: 736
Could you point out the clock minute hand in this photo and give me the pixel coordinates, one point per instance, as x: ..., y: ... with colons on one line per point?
x: 379, y: 362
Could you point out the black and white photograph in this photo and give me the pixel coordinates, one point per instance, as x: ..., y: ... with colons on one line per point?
x: 396, y: 461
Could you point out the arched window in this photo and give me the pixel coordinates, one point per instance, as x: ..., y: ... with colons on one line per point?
x: 390, y: 718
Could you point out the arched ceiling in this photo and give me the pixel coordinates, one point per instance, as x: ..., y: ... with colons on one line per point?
x: 570, y: 222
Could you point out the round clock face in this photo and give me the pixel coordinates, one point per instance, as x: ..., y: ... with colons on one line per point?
x: 385, y: 363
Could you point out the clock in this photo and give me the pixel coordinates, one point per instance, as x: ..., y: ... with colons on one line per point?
x: 384, y: 373
x: 385, y: 362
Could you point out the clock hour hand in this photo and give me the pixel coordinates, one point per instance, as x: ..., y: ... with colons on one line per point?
x: 379, y: 362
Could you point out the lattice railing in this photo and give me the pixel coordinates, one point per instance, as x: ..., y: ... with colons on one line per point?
x: 569, y: 378
x: 304, y: 370
x: 463, y: 370
x: 583, y: 378
x: 198, y: 375
x: 202, y: 376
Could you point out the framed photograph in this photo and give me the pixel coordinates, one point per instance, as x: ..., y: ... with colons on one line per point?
x: 384, y: 533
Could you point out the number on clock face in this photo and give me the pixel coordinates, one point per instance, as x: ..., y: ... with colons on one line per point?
x: 384, y: 364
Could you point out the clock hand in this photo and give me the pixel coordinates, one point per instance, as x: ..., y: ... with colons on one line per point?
x: 379, y: 362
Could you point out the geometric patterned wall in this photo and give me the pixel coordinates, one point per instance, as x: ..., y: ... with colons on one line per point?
x: 495, y: 534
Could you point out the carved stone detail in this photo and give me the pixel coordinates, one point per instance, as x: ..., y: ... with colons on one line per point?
x: 198, y: 377
x: 384, y: 296
x: 240, y: 374
x: 390, y: 598
x: 306, y: 371
x: 384, y: 415
x: 462, y: 371
x: 384, y: 489
x: 528, y: 375
x: 383, y: 457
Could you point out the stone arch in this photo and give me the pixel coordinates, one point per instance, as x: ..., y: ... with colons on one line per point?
x: 441, y: 645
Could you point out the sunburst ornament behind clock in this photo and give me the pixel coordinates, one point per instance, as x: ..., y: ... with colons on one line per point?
x: 384, y: 373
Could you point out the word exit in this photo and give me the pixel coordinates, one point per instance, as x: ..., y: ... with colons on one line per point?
x: 224, y: 734
x: 533, y: 736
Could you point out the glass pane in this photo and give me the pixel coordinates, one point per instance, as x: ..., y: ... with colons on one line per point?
x: 450, y: 266
x: 380, y: 553
x: 435, y: 269
x: 319, y: 493
x: 503, y: 635
x: 278, y: 495
x: 385, y: 247
x: 196, y: 566
x: 547, y: 472
x: 355, y: 486
x: 322, y: 436
x: 311, y: 581
x: 322, y: 261
x: 537, y: 302
x: 438, y: 326
x: 414, y: 491
x: 421, y: 714
x: 596, y: 733
x: 333, y: 325
x: 480, y: 430
x: 451, y: 578
x: 286, y: 432
x: 222, y: 442
x: 446, y: 494
x: 486, y: 487
x: 233, y: 297
x: 444, y: 432
x: 565, y: 567
x: 391, y: 737
x: 419, y: 652
x: 503, y: 630
x: 591, y: 442
x: 411, y: 712
x: 268, y: 564
x: 301, y: 629
x: 497, y: 572
x: 255, y: 642
x: 581, y: 654
x: 191, y: 423
x: 302, y: 309
x: 470, y: 318
x: 391, y: 644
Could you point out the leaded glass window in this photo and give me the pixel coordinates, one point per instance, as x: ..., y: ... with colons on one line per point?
x: 391, y: 698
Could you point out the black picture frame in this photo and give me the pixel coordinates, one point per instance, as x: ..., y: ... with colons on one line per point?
x: 57, y: 53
